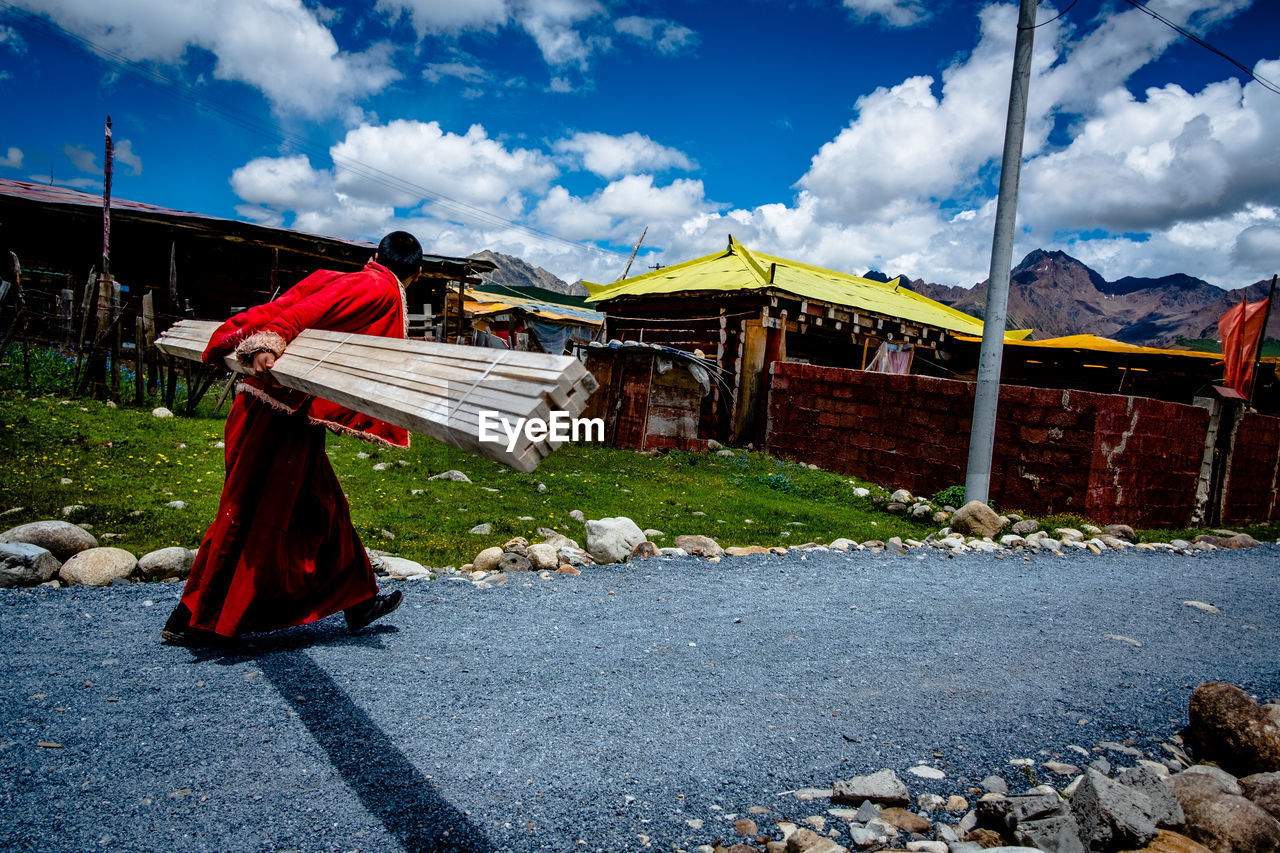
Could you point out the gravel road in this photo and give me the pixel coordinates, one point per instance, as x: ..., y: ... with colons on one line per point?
x: 582, y: 713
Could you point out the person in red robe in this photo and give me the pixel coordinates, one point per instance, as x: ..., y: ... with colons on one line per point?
x: 282, y: 550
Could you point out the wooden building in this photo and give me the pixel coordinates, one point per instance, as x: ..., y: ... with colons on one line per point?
x: 194, y: 265
x: 745, y: 310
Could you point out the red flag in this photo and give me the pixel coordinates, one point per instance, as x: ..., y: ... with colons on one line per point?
x: 1240, y: 330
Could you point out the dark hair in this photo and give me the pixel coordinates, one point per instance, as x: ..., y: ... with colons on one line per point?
x: 401, y: 253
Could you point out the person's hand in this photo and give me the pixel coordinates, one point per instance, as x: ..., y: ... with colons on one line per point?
x: 262, y: 364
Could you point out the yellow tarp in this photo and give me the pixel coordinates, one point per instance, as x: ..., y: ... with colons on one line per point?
x: 1094, y: 343
x: 479, y: 303
x: 738, y: 268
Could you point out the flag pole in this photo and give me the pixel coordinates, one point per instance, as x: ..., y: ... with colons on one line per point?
x: 986, y: 396
x: 1262, y: 339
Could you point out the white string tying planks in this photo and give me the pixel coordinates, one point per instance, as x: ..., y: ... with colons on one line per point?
x: 435, y: 389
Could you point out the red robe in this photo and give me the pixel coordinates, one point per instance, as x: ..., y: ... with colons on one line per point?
x: 282, y: 550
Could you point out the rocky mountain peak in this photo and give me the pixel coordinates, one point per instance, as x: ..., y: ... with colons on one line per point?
x: 517, y: 272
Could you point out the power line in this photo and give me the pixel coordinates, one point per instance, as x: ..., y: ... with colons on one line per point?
x: 247, y: 121
x: 1262, y: 81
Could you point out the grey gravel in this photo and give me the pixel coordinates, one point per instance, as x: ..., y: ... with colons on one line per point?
x: 599, y: 708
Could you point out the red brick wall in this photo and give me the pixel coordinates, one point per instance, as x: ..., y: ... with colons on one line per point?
x: 1106, y: 457
x: 1252, y: 480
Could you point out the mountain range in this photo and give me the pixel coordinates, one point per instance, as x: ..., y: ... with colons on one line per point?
x: 1050, y: 292
x: 1056, y: 295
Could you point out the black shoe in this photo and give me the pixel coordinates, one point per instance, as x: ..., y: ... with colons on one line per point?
x: 366, y: 613
x: 193, y: 638
x: 177, y: 631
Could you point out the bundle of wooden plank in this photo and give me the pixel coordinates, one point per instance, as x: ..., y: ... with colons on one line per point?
x: 439, y: 390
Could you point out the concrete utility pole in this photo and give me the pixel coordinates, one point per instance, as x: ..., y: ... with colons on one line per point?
x: 977, y: 481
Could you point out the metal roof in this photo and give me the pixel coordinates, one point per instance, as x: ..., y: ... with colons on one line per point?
x: 740, y: 269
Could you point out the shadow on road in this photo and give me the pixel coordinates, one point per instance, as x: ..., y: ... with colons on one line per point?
x: 387, y: 783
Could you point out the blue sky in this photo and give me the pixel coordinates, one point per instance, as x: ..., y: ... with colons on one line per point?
x: 853, y: 134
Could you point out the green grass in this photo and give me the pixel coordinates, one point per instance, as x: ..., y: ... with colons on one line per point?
x: 125, y: 466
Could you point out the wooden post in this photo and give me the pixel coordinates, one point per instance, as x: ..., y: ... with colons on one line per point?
x: 115, y: 360
x: 139, y: 361
x: 1262, y: 339
x: 461, y: 321
x: 149, y: 331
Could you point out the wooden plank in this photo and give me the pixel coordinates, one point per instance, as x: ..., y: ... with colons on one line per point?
x: 434, y: 389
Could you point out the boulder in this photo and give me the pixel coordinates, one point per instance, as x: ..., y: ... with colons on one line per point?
x: 644, y: 551
x: 808, y: 841
x: 400, y: 569
x: 1220, y: 820
x: 1239, y: 540
x: 1026, y: 526
x: 1121, y: 531
x: 97, y: 567
x: 23, y: 564
x: 543, y: 556
x: 60, y: 538
x: 1054, y: 833
x: 1230, y: 729
x: 513, y: 562
x: 1171, y: 842
x: 1145, y: 779
x: 487, y: 560
x: 703, y: 546
x: 1111, y: 815
x: 881, y: 787
x: 172, y: 562
x: 901, y: 496
x: 976, y: 519
x: 1263, y: 789
x: 746, y: 550
x: 611, y: 540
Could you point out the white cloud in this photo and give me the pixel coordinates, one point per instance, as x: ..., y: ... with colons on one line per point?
x: 402, y: 165
x: 613, y: 156
x: 470, y: 168
x: 553, y: 25
x: 905, y: 187
x: 12, y: 159
x: 83, y: 159
x: 895, y: 13
x: 437, y: 71
x: 622, y: 209
x: 124, y: 154
x: 665, y: 36
x: 279, y: 47
x: 12, y: 39
x: 445, y: 16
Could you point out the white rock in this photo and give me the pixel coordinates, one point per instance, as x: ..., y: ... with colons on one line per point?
x: 925, y: 772
x: 173, y: 562
x: 456, y: 476
x: 22, y: 564
x: 611, y: 540
x: 861, y: 492
x: 841, y: 544
x: 577, y: 515
x: 382, y: 466
x: 161, y: 412
x: 98, y: 567
x: 177, y: 504
x: 399, y: 568
x: 1200, y: 605
x: 487, y: 559
x: 543, y: 556
x: 901, y: 496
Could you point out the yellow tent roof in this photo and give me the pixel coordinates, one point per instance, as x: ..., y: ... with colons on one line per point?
x: 1094, y: 343
x: 738, y: 268
x: 481, y: 303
